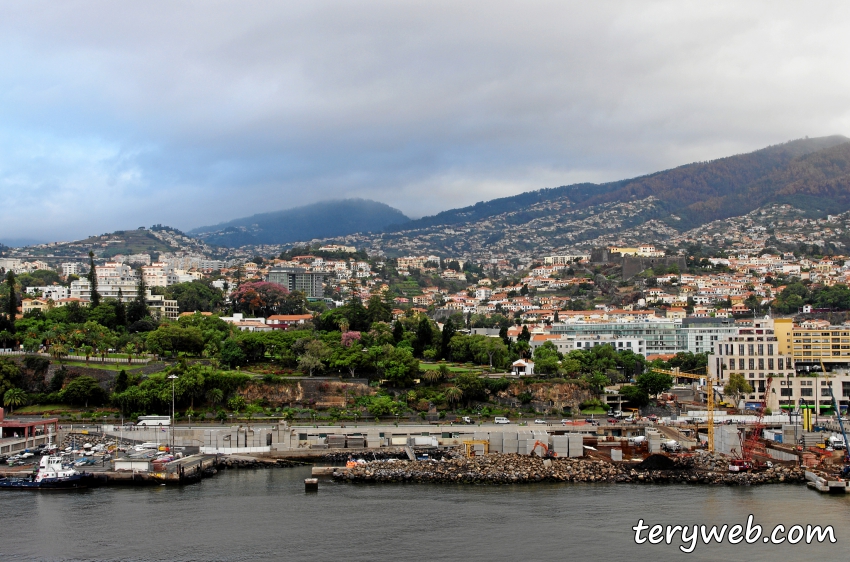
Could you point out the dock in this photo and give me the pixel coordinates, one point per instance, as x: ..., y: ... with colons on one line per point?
x: 825, y: 485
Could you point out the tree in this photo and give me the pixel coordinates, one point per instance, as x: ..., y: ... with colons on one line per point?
x: 654, y: 383
x: 398, y: 332
x: 57, y: 381
x: 525, y: 335
x: 448, y: 334
x: 424, y: 336
x: 138, y: 308
x: 236, y: 403
x: 120, y: 310
x: 433, y: 376
x: 12, y: 303
x: 215, y: 396
x: 83, y: 391
x: 259, y: 297
x: 547, y: 359
x: 399, y: 365
x: 597, y: 382
x: 195, y: 296
x: 453, y: 394
x: 310, y: 363
x: 471, y: 385
x: 121, y: 381
x: 231, y: 353
x: 10, y: 375
x: 379, y: 310
x: 635, y: 395
x: 174, y: 338
x: 350, y: 358
x: 14, y: 397
x: 737, y: 386
x: 95, y: 296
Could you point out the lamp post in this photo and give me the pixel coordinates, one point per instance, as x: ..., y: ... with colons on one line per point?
x: 173, y: 378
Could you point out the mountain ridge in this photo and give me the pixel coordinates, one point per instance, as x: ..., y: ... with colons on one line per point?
x: 692, y: 184
x: 324, y: 219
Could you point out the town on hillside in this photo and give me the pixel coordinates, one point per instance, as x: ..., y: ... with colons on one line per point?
x: 524, y: 317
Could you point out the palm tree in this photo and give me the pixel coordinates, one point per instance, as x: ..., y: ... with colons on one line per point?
x: 453, y: 394
x: 58, y: 350
x: 432, y: 376
x: 411, y: 396
x: 88, y: 350
x: 13, y: 398
x: 215, y: 395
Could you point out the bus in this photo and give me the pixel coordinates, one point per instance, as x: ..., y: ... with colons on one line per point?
x: 154, y: 421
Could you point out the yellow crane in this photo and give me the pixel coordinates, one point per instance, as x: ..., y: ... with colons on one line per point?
x: 709, y: 382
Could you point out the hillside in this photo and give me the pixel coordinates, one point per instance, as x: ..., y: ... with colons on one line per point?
x: 319, y: 220
x: 156, y: 240
x: 811, y: 175
x: 695, y: 193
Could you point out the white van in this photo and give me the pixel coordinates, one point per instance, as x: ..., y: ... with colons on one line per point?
x: 501, y: 419
x: 637, y: 440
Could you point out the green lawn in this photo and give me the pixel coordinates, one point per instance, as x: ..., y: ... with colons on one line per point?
x: 452, y: 368
x: 104, y: 366
x: 594, y: 411
x: 41, y: 408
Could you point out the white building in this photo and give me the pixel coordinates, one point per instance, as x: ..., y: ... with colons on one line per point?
x: 113, y: 279
x: 158, y: 274
x: 50, y: 292
x: 72, y: 268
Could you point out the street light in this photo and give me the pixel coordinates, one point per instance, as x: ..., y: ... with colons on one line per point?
x: 173, y: 378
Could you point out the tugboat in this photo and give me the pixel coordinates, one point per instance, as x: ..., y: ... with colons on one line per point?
x: 51, y: 475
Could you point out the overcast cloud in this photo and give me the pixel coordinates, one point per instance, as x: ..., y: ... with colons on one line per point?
x: 118, y: 115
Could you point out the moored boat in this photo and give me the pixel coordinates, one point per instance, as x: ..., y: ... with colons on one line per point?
x: 51, y: 475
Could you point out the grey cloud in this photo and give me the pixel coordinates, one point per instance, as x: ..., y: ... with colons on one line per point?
x: 195, y: 113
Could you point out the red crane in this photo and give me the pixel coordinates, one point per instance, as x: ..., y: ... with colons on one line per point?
x: 751, y: 444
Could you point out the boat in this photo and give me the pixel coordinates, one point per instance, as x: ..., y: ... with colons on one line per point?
x: 51, y: 475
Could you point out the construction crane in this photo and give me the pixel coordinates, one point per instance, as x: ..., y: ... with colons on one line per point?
x: 709, y: 382
x: 837, y: 414
x: 470, y: 446
x: 752, y: 443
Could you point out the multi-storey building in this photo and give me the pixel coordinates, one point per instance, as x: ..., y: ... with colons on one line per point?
x: 753, y: 352
x: 565, y: 344
x: 299, y: 279
x: 815, y: 345
x: 661, y: 335
x: 51, y: 292
x: 72, y: 268
x: 158, y: 274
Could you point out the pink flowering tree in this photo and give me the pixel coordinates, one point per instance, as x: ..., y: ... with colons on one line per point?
x: 350, y: 338
x: 260, y: 297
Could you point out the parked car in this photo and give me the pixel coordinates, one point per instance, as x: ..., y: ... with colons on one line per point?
x: 502, y: 419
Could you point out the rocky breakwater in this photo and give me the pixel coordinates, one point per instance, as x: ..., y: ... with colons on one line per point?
x: 239, y: 461
x: 515, y: 469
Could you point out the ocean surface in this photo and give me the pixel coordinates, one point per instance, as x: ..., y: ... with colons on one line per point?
x: 248, y: 515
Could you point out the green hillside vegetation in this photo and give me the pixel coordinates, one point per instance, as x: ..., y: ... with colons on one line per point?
x: 319, y: 220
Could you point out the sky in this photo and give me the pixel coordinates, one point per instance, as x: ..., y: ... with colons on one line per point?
x: 116, y: 115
